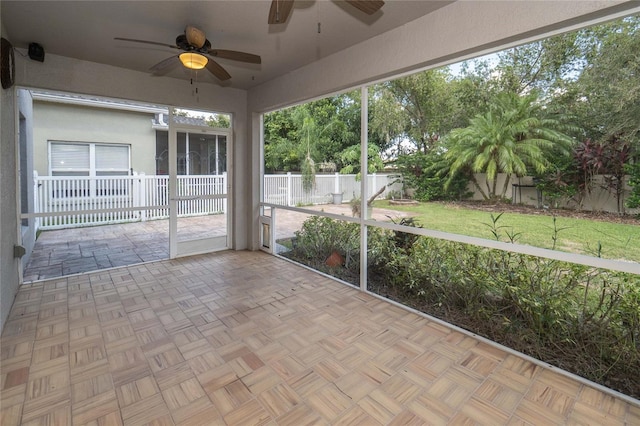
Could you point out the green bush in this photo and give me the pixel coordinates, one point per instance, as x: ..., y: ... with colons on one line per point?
x: 633, y: 171
x: 426, y: 173
x: 319, y: 237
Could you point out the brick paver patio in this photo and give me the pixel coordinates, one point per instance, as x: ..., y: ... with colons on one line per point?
x: 76, y: 250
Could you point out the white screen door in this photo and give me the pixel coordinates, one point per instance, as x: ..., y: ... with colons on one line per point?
x: 198, y: 190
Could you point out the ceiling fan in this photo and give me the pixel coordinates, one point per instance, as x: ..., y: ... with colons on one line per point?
x: 196, y: 54
x: 281, y: 9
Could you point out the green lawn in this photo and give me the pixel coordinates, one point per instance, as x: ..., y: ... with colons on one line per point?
x: 616, y: 241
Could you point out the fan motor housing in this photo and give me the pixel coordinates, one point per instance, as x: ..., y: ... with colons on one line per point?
x: 195, y: 37
x: 183, y: 43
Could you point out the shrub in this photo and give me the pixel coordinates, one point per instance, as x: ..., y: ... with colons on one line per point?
x: 426, y: 173
x: 320, y: 236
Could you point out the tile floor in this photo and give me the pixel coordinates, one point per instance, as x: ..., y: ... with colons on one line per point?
x: 246, y: 338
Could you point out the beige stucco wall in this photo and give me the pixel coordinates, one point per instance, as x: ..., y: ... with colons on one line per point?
x: 9, y: 265
x: 75, y: 123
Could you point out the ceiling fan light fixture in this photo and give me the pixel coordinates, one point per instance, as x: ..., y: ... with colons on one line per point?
x: 193, y: 61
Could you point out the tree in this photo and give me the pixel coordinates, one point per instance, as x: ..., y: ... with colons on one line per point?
x: 219, y: 121
x: 541, y: 66
x: 281, y: 151
x: 351, y: 160
x: 417, y: 108
x: 339, y: 116
x: 426, y: 175
x: 514, y: 137
x: 607, y: 93
x: 311, y: 135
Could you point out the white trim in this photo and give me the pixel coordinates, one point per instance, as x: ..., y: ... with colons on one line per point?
x: 177, y: 248
x: 364, y: 182
x: 95, y: 102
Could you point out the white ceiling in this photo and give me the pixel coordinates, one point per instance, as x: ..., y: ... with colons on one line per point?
x: 85, y: 30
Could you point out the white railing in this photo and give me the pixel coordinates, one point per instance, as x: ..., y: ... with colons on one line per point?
x: 286, y: 189
x: 124, y: 198
x: 88, y: 201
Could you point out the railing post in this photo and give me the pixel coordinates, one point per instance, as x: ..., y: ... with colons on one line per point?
x: 135, y: 194
x: 36, y: 204
x: 289, y: 189
x: 224, y: 191
x: 142, y: 195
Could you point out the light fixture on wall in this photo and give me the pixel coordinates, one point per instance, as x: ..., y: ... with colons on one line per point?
x: 193, y: 60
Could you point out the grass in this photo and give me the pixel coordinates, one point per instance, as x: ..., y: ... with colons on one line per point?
x: 594, y: 238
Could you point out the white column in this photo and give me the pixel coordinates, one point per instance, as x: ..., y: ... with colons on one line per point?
x: 289, y: 189
x: 364, y: 138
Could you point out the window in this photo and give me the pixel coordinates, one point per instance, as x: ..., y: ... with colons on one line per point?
x: 88, y: 159
x: 99, y: 163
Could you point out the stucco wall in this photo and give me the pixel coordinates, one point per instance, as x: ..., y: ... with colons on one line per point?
x: 9, y: 266
x: 74, y: 123
x: 25, y: 142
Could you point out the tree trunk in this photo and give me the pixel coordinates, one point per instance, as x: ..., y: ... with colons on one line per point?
x: 355, y: 207
x: 374, y: 196
x: 507, y: 181
x: 494, y: 183
x: 478, y: 187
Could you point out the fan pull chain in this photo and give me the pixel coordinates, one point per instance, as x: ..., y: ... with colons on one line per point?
x: 194, y: 92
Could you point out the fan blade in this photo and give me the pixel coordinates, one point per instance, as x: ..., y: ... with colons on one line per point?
x: 367, y: 6
x: 280, y: 11
x: 217, y: 70
x: 147, y: 42
x: 235, y: 56
x: 165, y: 65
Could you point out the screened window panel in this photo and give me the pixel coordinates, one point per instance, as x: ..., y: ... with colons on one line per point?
x: 112, y: 157
x: 222, y: 155
x: 70, y: 156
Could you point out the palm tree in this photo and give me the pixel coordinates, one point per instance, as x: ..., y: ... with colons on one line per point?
x: 514, y: 137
